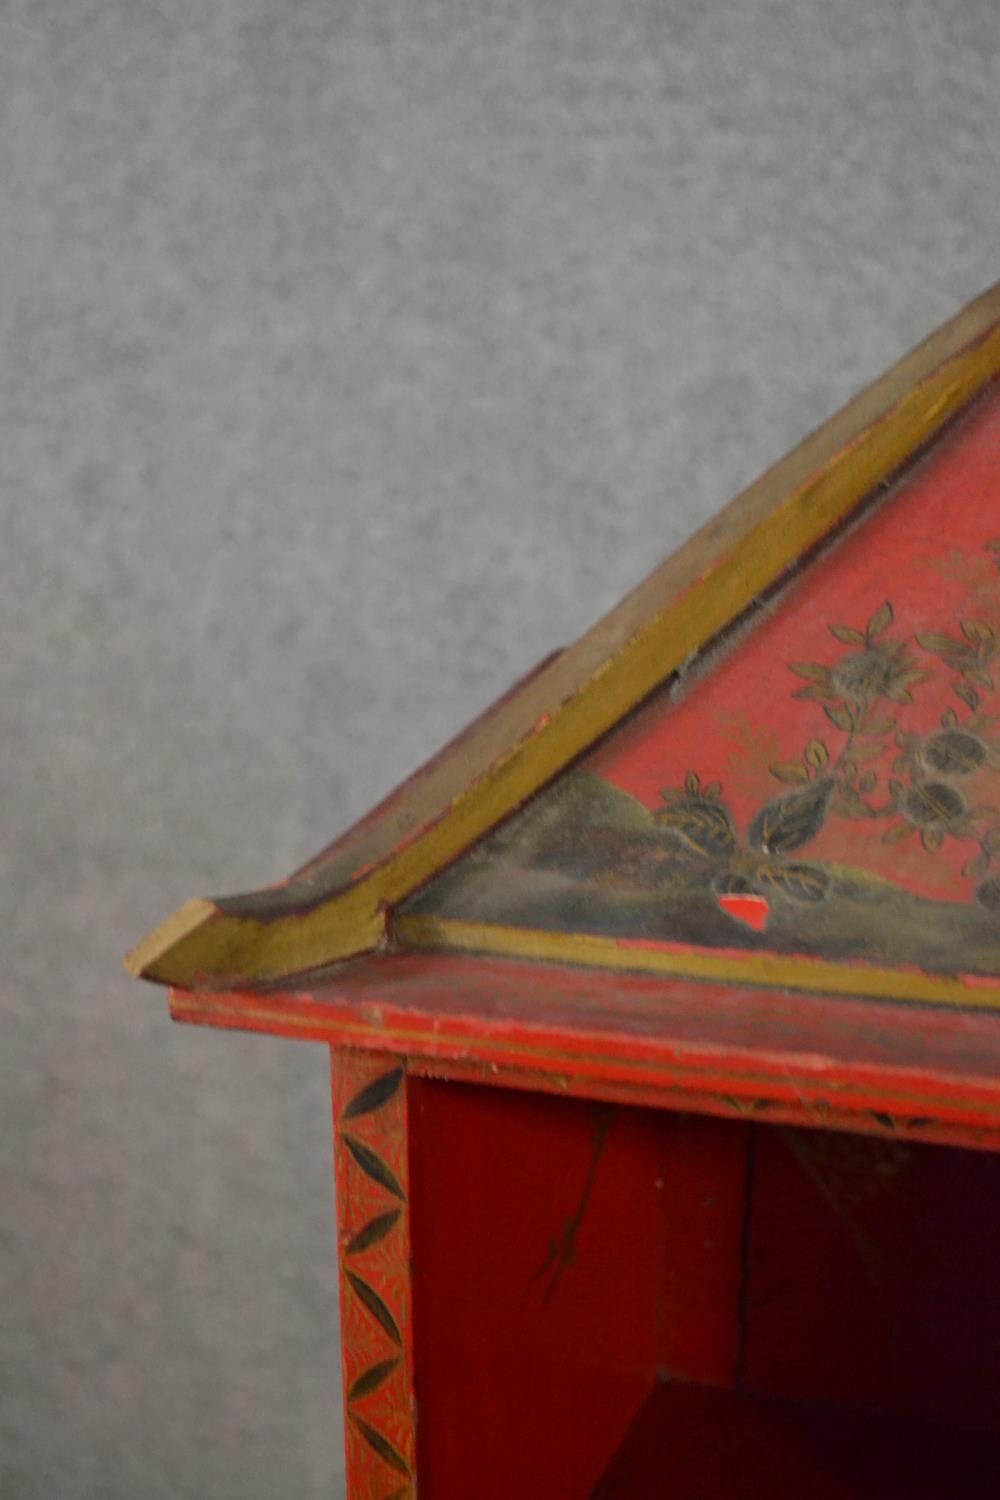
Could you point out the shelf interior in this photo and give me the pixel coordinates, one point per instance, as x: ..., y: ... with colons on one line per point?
x: 701, y: 1443
x: 695, y: 1308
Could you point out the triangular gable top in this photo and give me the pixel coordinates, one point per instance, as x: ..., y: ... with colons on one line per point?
x: 339, y: 904
x: 816, y: 803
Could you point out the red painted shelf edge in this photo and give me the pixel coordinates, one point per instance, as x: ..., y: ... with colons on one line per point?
x: 897, y: 1084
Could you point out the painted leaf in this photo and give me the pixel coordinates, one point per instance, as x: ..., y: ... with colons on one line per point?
x: 379, y: 1311
x: 838, y: 714
x: 978, y: 676
x: 879, y: 621
x: 370, y: 1380
x: 797, y: 882
x: 967, y: 694
x: 791, y: 771
x: 377, y: 1093
x: 977, y: 866
x: 847, y: 634
x: 374, y: 1167
x: 381, y: 1445
x: 792, y: 820
x: 810, y: 670
x: 817, y: 754
x: 701, y: 827
x: 937, y: 642
x: 374, y: 1231
x: 979, y: 631
x: 897, y: 833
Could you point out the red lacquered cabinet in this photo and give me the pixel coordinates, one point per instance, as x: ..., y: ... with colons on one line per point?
x: 664, y: 1012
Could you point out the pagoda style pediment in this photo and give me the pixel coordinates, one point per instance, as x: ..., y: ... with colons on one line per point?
x: 816, y: 802
x: 777, y: 761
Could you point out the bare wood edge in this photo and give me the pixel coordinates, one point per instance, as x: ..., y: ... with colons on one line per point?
x: 337, y: 905
x: 186, y: 920
x: 767, y: 970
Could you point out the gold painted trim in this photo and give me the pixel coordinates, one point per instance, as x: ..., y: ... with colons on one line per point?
x: 772, y: 970
x: 336, y: 906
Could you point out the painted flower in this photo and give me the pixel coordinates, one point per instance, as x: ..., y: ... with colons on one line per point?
x: 933, y: 809
x: 877, y: 669
x: 953, y: 750
x: 696, y: 819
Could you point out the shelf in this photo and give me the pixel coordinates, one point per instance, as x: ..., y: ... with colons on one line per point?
x: 906, y: 1071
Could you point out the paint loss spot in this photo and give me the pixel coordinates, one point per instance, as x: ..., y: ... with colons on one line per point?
x: 752, y: 911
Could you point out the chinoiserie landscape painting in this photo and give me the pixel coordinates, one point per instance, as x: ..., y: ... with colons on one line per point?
x: 827, y: 783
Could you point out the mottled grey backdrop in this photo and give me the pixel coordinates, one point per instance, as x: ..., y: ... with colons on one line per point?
x: 353, y: 356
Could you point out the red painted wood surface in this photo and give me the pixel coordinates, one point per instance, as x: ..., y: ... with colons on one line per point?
x: 930, y: 550
x: 538, y: 1247
x: 824, y: 785
x: 372, y: 1169
x: 704, y: 1444
x: 704, y: 1169
x: 880, y: 1068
